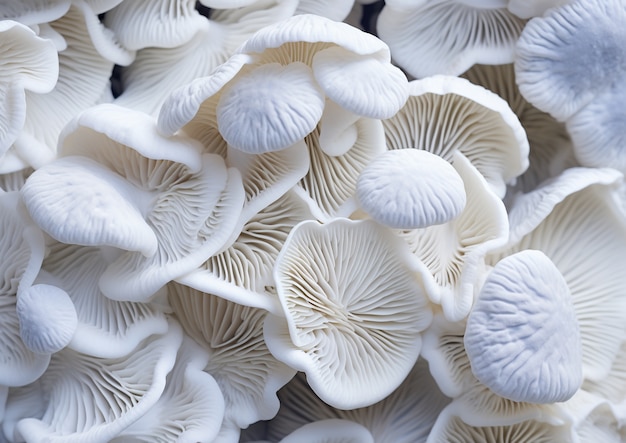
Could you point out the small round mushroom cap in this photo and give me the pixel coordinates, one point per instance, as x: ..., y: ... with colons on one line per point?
x: 270, y: 108
x: 410, y: 189
x: 47, y: 318
x: 522, y: 336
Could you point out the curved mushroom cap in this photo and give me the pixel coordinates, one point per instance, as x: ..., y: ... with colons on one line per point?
x: 572, y: 54
x: 355, y: 303
x: 33, y: 12
x: 410, y: 188
x: 447, y: 36
x: 548, y: 140
x: 522, y: 335
x: 27, y: 63
x: 120, y: 391
x: 270, y: 108
x: 447, y: 114
x: 47, y: 318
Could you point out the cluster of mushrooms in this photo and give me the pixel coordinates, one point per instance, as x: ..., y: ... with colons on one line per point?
x: 307, y: 221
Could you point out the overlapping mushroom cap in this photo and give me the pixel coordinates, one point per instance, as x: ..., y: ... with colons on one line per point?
x: 444, y: 115
x: 571, y: 63
x: 140, y: 188
x: 284, y: 74
x: 448, y: 36
x: 355, y: 303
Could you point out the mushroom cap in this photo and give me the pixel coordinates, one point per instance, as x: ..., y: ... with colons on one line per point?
x: 354, y: 303
x: 447, y: 36
x: 270, y: 107
x: 447, y: 114
x: 47, y: 318
x: 567, y: 57
x: 522, y: 335
x: 410, y: 188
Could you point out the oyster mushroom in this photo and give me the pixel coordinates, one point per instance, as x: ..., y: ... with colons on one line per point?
x: 410, y: 189
x: 448, y: 36
x: 522, y: 336
x: 355, y: 303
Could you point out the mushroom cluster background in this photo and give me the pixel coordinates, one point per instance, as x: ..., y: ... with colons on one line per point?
x: 280, y: 221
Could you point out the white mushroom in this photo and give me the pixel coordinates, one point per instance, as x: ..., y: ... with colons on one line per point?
x: 574, y: 220
x: 22, y: 250
x: 167, y: 24
x: 92, y: 399
x: 106, y: 328
x: 405, y: 416
x: 47, y: 318
x: 282, y: 105
x: 243, y: 272
x: 454, y: 252
x: 522, y: 336
x: 239, y: 359
x: 120, y: 148
x: 410, y: 189
x: 190, y: 409
x: 444, y: 115
x: 355, y: 303
x: 448, y: 36
x: 548, y: 140
x: 28, y: 63
x: 83, y: 76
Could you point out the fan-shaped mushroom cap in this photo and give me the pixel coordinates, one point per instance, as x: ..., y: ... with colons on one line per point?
x: 106, y: 328
x: 159, y: 173
x: 445, y: 114
x: 571, y: 55
x: 410, y: 188
x: 405, y: 416
x: 355, y: 303
x: 243, y: 272
x: 548, y: 140
x: 454, y: 252
x: 28, y: 62
x: 474, y: 403
x: 248, y: 379
x: 47, y: 318
x: 166, y: 24
x: 522, y: 335
x: 574, y: 220
x: 190, y: 409
x: 120, y: 391
x: 448, y: 36
x: 22, y: 250
x: 112, y: 216
x: 83, y: 76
